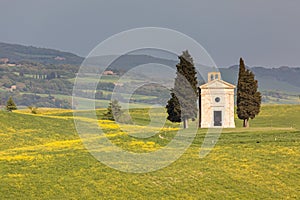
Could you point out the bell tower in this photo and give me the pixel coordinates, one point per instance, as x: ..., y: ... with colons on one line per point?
x: 214, y: 76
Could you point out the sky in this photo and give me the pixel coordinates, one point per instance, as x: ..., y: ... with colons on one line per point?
x: 265, y: 33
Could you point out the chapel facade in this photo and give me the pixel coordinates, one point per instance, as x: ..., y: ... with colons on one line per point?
x: 216, y: 103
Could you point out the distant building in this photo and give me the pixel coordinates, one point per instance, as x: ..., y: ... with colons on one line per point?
x: 216, y: 103
x: 109, y: 72
x: 59, y: 58
x: 4, y: 60
x: 13, y: 87
x: 119, y: 84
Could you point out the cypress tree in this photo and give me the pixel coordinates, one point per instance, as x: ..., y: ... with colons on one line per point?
x: 183, y: 103
x: 113, y: 110
x: 173, y: 109
x: 248, y: 98
x: 10, y: 105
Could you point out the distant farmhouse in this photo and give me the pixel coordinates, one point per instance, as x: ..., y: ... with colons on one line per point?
x: 4, y: 60
x: 108, y: 72
x: 216, y: 103
x: 59, y: 58
x: 13, y: 87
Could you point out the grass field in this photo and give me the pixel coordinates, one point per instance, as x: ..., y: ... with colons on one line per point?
x: 100, y: 103
x: 42, y: 157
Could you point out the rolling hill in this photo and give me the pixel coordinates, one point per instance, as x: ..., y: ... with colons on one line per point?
x: 285, y: 79
x: 42, y: 157
x: 48, y: 71
x: 17, y: 53
x: 282, y: 78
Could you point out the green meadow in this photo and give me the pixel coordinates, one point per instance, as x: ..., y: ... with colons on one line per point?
x: 42, y: 157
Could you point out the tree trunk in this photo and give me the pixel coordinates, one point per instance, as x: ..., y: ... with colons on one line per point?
x: 185, y: 122
x: 246, y: 123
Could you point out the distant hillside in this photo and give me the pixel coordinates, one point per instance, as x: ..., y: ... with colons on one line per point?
x: 18, y: 53
x: 276, y: 79
x: 126, y: 62
x: 281, y: 79
x: 52, y: 72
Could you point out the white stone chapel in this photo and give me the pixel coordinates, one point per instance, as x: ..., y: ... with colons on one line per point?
x: 216, y: 103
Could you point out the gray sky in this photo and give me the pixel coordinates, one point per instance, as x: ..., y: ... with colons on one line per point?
x: 264, y: 33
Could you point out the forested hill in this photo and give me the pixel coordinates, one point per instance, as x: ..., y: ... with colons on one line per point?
x: 45, y: 77
x: 17, y: 53
x: 282, y: 78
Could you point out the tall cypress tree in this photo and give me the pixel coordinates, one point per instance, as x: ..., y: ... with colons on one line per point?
x: 248, y: 98
x: 183, y: 103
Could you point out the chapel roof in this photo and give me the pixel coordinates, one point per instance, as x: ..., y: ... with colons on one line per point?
x: 217, y: 84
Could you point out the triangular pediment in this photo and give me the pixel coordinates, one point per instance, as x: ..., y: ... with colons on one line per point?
x: 217, y: 84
